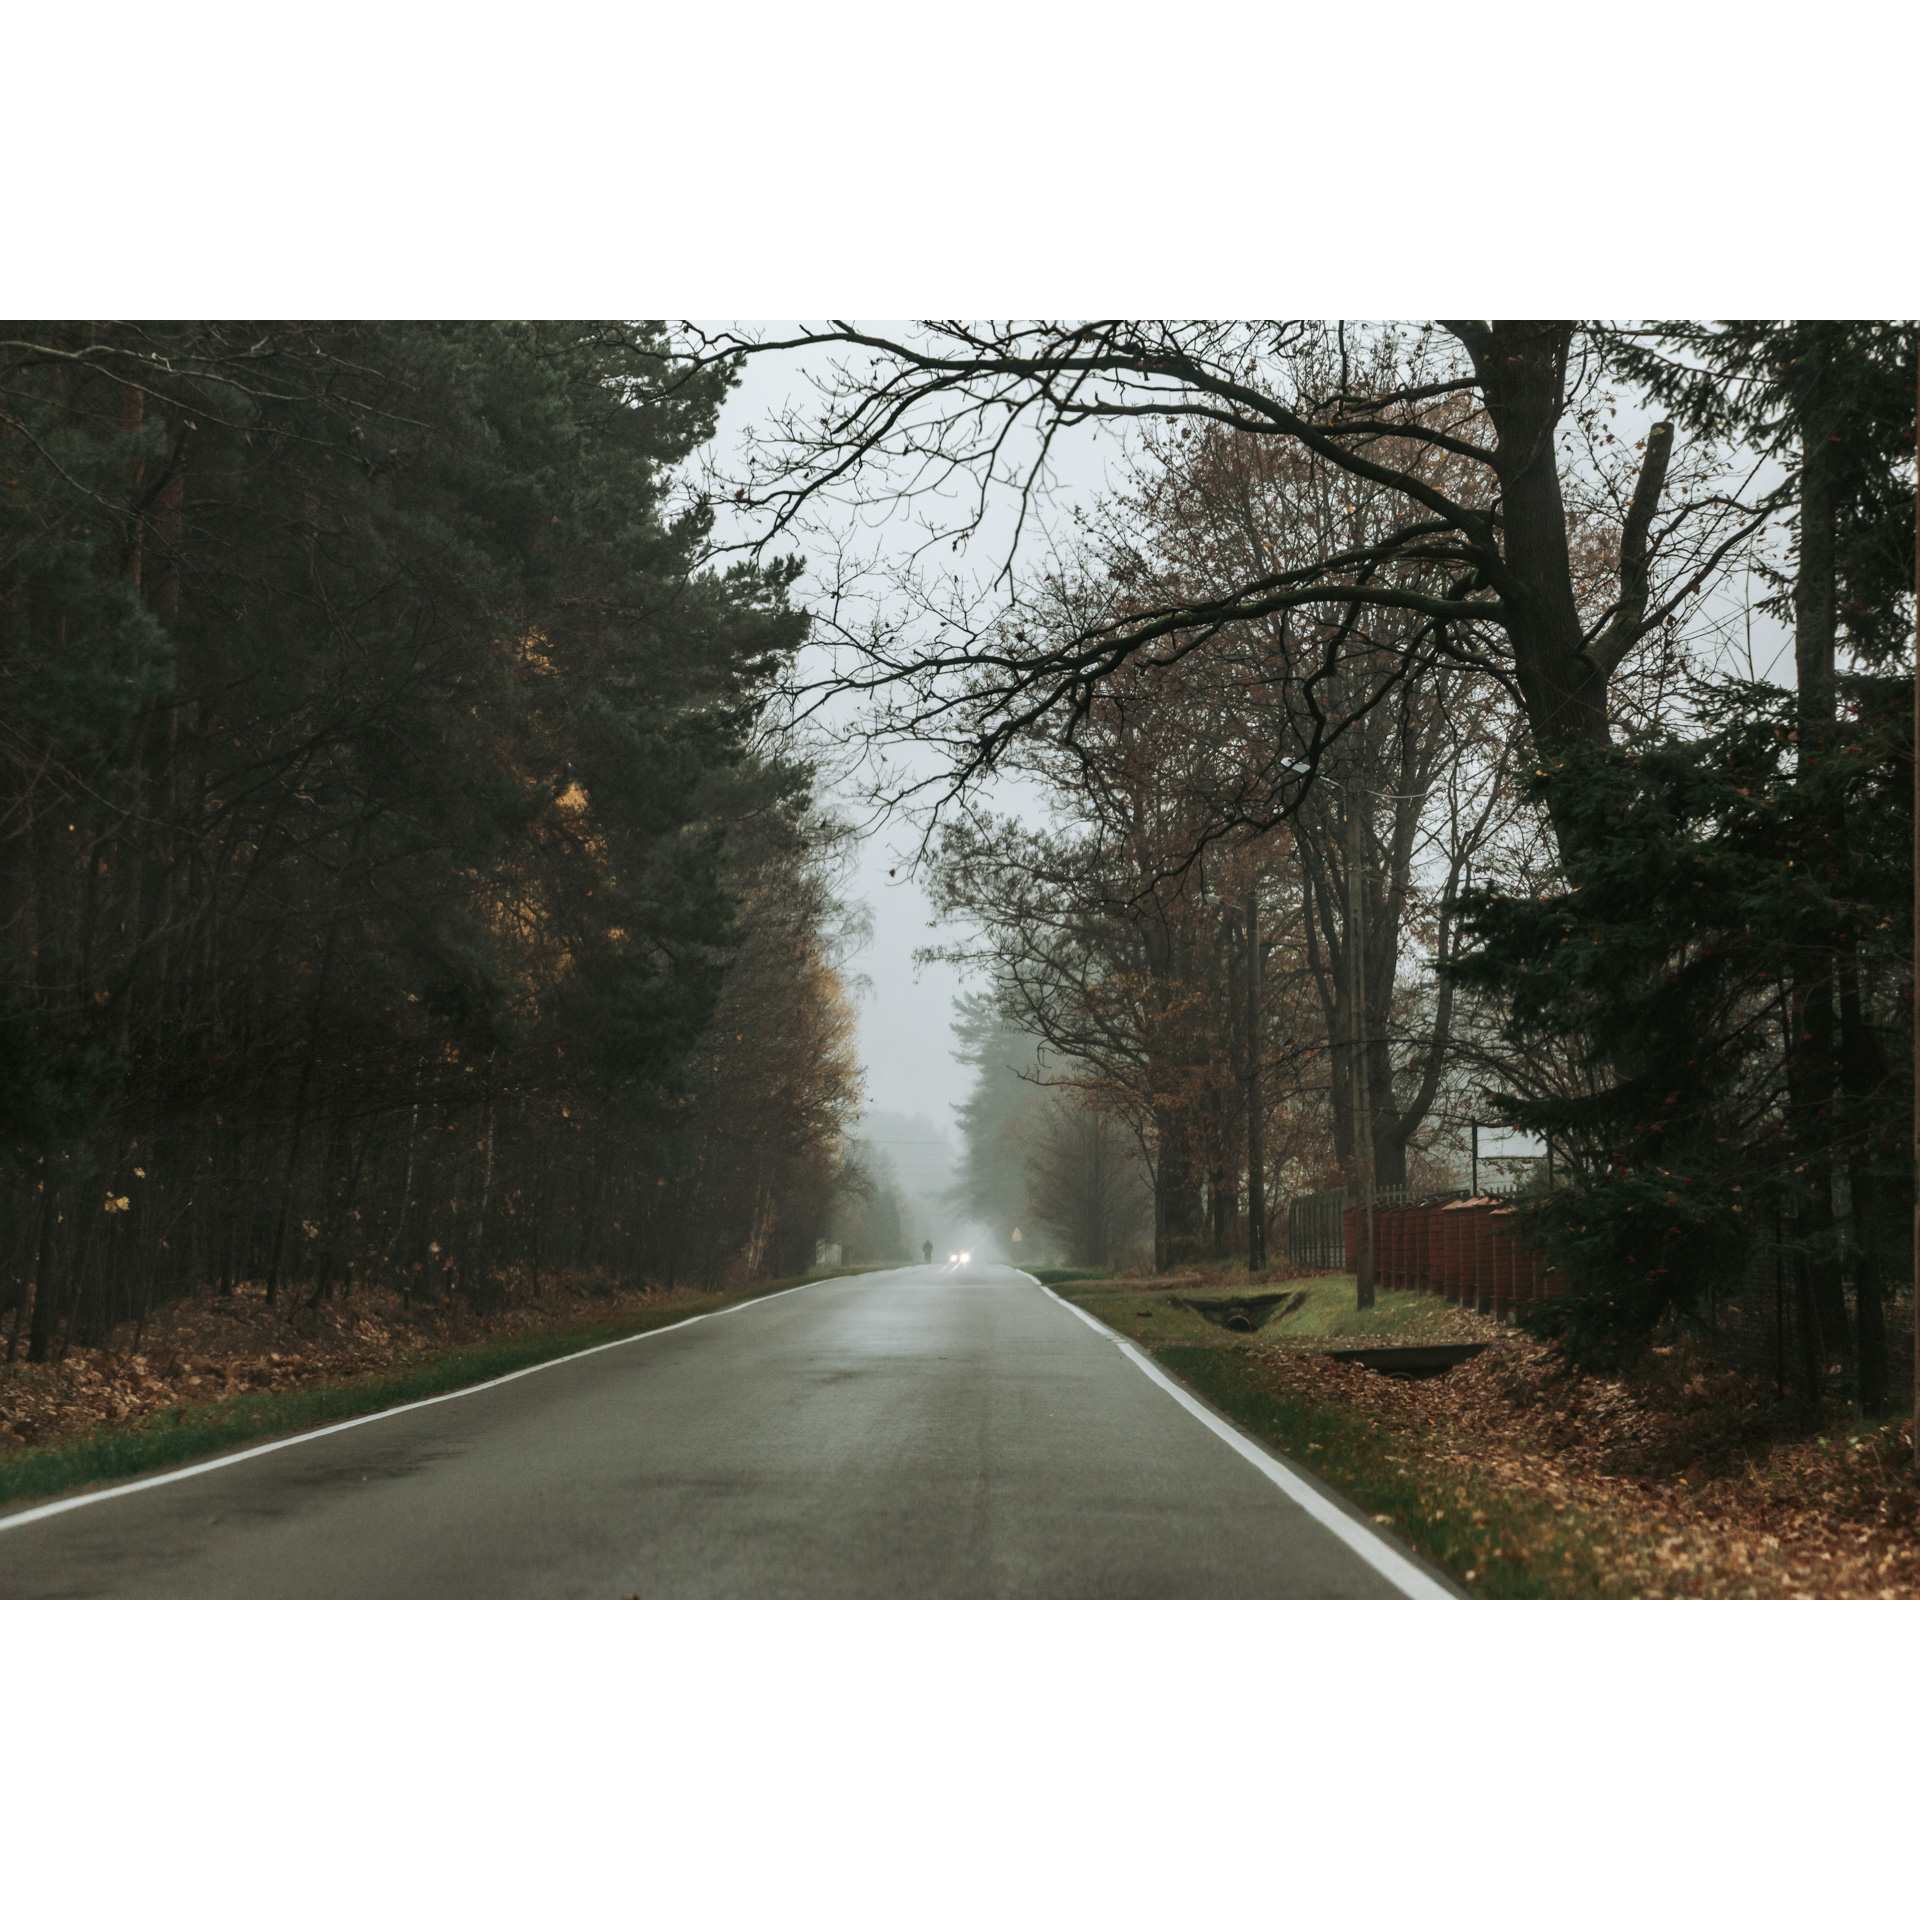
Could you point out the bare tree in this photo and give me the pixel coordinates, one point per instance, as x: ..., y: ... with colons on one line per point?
x: 1463, y: 423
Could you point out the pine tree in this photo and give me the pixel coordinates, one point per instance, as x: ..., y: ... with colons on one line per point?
x: 374, y: 741
x: 1713, y: 885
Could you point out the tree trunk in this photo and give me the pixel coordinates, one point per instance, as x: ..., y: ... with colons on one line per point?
x: 1810, y: 1093
x: 1256, y: 1115
x: 1180, y: 1230
x: 300, y: 1116
x: 1813, y: 1348
x: 40, y: 1334
x: 1861, y: 1073
x: 1811, y: 1078
x: 1522, y: 367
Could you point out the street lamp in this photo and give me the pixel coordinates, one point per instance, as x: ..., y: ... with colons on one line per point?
x: 1359, y: 1066
x: 1361, y: 1069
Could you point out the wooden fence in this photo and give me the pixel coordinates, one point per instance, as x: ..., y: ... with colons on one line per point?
x: 1468, y: 1250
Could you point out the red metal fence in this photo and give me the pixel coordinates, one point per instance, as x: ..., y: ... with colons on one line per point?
x: 1470, y: 1251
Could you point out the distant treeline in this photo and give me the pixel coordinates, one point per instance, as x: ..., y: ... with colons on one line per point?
x: 393, y: 883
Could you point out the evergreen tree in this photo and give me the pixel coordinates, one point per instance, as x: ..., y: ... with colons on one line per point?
x: 379, y: 794
x: 1713, y: 884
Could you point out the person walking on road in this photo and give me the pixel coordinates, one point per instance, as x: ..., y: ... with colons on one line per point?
x: 926, y: 1252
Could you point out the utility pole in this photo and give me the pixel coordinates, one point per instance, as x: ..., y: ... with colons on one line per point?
x: 1362, y: 1097
x: 1256, y: 1120
x: 1916, y: 946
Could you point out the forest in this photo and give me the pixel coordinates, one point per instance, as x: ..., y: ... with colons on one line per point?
x: 401, y: 883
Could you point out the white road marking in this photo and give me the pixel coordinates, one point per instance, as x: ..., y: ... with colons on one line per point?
x: 387, y: 1413
x: 1375, y: 1549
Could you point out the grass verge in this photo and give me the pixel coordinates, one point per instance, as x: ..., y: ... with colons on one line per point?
x: 1495, y: 1544
x: 1498, y: 1547
x: 1326, y: 1315
x: 177, y: 1435
x: 1679, y: 1480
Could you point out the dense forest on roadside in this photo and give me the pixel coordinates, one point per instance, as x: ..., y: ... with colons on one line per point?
x: 398, y: 882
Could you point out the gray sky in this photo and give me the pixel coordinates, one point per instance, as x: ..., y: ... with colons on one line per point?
x: 905, y: 1011
x: 905, y: 1043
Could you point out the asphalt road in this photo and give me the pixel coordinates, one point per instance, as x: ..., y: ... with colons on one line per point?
x: 927, y: 1432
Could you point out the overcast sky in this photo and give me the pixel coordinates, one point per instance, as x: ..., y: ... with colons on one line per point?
x: 906, y: 1041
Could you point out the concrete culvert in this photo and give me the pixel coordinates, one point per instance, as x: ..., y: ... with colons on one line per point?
x: 1246, y: 1313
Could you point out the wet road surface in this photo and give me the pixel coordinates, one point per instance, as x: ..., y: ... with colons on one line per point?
x: 928, y: 1432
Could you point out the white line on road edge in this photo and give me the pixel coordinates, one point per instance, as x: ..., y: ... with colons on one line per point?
x: 1375, y: 1549
x: 386, y: 1413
